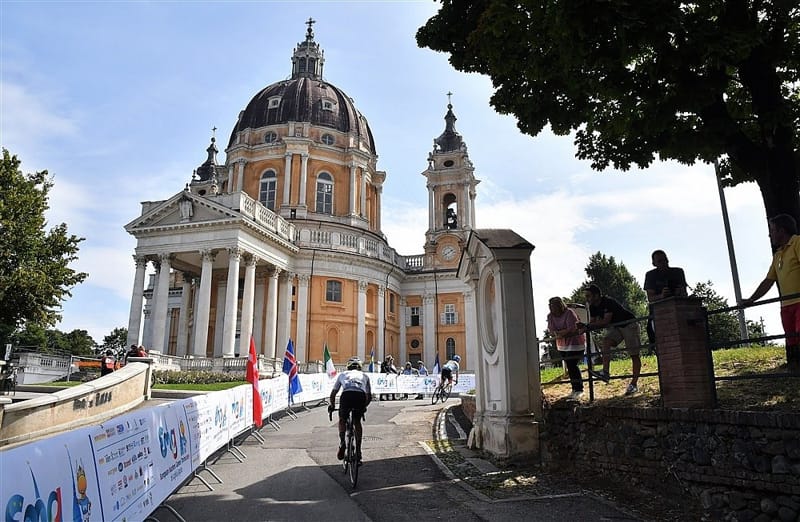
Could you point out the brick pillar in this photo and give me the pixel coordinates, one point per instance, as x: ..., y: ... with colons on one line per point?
x: 686, y: 374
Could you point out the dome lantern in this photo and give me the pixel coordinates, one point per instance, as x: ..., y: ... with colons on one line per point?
x: 308, y: 58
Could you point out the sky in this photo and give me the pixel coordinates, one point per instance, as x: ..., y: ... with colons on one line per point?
x: 117, y: 101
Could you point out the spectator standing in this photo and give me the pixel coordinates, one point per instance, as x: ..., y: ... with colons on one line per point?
x: 562, y: 323
x: 421, y: 370
x: 662, y: 282
x: 133, y: 351
x: 619, y: 322
x: 387, y: 366
x: 785, y: 269
x: 107, y: 363
x: 409, y: 370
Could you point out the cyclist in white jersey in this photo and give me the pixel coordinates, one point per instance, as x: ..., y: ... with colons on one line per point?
x: 356, y: 396
x: 450, y: 367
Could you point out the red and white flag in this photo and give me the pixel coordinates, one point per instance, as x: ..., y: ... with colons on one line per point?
x: 252, y: 378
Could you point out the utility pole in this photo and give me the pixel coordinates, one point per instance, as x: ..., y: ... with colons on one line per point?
x: 731, y: 254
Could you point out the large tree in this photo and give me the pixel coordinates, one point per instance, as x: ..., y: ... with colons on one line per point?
x: 614, y: 280
x: 35, y: 276
x: 640, y: 80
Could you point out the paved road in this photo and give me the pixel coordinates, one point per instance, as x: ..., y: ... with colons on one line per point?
x: 295, y: 476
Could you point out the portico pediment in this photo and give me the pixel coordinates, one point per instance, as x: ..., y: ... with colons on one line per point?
x: 181, y: 210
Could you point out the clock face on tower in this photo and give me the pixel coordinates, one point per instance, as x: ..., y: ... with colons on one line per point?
x: 448, y: 252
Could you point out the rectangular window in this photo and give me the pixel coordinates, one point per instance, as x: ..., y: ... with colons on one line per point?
x: 391, y: 303
x: 325, y: 198
x: 333, y: 291
x: 415, y: 316
x: 449, y: 316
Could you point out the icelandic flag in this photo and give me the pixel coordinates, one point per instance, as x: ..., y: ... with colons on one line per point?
x: 252, y: 378
x: 290, y: 369
x: 437, y: 369
x: 371, y: 367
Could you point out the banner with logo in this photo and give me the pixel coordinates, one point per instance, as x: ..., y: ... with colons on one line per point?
x: 208, y: 425
x: 52, y: 479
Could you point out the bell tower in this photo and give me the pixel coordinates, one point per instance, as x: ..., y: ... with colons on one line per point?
x: 451, y: 194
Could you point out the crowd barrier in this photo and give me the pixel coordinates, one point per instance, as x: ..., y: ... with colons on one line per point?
x: 125, y: 468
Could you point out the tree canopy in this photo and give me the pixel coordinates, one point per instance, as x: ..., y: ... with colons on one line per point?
x: 614, y: 280
x: 36, y: 337
x: 35, y: 276
x: 636, y: 81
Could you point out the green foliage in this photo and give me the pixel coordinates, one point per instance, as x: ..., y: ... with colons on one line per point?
x: 614, y: 280
x: 195, y: 377
x: 640, y: 81
x: 35, y: 276
x: 722, y: 327
x: 116, y: 341
x: 52, y: 341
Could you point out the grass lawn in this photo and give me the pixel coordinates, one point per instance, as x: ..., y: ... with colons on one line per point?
x: 765, y: 394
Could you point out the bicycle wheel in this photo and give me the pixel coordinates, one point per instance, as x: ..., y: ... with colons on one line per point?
x: 347, y: 436
x: 446, y: 391
x: 437, y: 394
x: 352, y: 456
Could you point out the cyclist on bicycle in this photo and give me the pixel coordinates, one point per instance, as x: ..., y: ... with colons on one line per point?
x: 450, y: 367
x: 356, y: 396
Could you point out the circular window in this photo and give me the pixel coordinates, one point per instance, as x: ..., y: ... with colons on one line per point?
x: 448, y: 163
x: 270, y: 137
x: 328, y: 139
x: 415, y: 344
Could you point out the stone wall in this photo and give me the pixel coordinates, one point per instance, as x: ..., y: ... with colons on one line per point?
x: 742, y: 464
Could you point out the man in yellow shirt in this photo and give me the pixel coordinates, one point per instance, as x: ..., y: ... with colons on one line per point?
x: 785, y: 269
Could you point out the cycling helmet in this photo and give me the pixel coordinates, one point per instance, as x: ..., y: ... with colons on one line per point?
x: 354, y: 363
x: 457, y: 358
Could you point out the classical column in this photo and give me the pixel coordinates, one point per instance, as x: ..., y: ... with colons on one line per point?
x: 149, y: 311
x: 378, y: 191
x: 466, y: 211
x: 431, y: 207
x: 471, y: 322
x: 381, y: 318
x: 303, y: 178
x: 247, y: 304
x: 363, y: 203
x: 272, y: 314
x: 352, y: 210
x: 287, y: 179
x: 301, y: 346
x: 429, y: 329
x: 160, y: 311
x: 362, y: 322
x: 471, y: 209
x: 231, y: 303
x: 258, y: 313
x: 183, y: 319
x: 284, y: 327
x: 402, y: 320
x: 219, y: 318
x: 203, y: 305
x: 137, y: 298
x: 240, y: 175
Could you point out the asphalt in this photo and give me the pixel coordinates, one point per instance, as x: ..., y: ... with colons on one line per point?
x: 416, y: 467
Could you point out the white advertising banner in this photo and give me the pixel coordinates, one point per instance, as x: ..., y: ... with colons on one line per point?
x: 208, y: 425
x: 240, y: 408
x: 51, y: 479
x: 141, y: 458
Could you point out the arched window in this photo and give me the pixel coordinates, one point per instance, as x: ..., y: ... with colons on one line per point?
x: 324, y: 193
x: 302, y: 65
x: 450, y: 345
x: 266, y: 192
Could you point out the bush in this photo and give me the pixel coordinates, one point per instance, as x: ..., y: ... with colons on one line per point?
x: 195, y: 377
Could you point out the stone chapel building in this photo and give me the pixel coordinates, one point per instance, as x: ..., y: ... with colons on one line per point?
x: 283, y: 240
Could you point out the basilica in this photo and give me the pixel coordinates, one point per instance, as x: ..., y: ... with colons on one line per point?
x: 283, y: 241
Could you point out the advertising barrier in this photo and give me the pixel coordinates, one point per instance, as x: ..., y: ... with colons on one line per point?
x: 126, y: 467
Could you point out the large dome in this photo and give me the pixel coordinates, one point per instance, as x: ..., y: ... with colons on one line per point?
x: 306, y: 97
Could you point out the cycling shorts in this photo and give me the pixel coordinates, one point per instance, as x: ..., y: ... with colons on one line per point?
x: 447, y: 373
x: 355, y: 401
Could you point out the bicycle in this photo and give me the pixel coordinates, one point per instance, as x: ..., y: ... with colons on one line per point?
x: 350, y: 462
x: 442, y: 391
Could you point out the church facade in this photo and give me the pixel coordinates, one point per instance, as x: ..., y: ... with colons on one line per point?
x: 283, y: 240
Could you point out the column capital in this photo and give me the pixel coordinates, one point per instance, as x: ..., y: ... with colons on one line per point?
x: 251, y: 259
x: 403, y: 301
x: 241, y: 161
x: 303, y: 279
x: 166, y: 258
x: 235, y: 253
x: 208, y: 254
x: 469, y: 296
x: 304, y: 155
x: 362, y: 285
x: 275, y: 272
x: 429, y: 299
x: 286, y: 276
x: 140, y: 261
x: 288, y: 154
x: 381, y: 290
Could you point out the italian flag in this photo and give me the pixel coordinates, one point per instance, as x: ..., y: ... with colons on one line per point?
x: 329, y: 368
